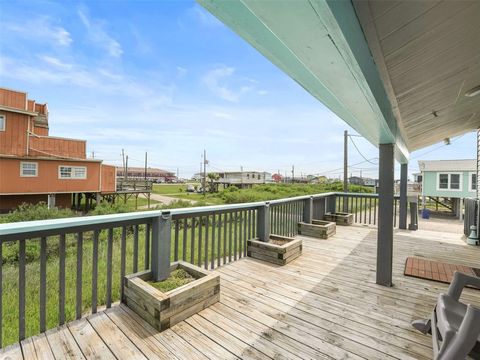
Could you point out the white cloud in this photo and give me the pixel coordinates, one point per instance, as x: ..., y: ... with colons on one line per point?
x: 262, y: 92
x: 181, y: 72
x: 42, y: 29
x: 216, y: 81
x: 98, y: 35
x: 55, y: 62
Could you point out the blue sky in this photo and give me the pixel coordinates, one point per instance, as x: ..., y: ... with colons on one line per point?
x: 168, y: 78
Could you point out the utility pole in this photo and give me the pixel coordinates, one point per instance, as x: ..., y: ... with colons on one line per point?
x: 123, y: 161
x: 126, y: 167
x: 93, y: 154
x: 345, y: 161
x: 146, y: 158
x: 293, y: 174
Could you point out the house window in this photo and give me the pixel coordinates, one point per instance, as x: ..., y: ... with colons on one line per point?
x: 72, y: 172
x: 449, y: 181
x: 28, y: 169
x: 443, y: 181
x: 473, y: 182
x: 3, y: 121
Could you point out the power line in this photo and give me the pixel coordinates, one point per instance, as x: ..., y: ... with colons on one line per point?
x: 358, y: 150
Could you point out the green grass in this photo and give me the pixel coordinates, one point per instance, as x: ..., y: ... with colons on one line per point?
x: 167, y: 189
x: 233, y: 195
x: 177, y: 278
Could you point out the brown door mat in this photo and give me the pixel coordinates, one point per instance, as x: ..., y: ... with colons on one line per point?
x: 436, y: 270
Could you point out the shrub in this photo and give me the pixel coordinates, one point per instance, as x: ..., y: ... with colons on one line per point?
x: 105, y: 208
x: 30, y: 212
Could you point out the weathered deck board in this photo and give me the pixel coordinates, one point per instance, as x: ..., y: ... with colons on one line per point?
x: 322, y: 305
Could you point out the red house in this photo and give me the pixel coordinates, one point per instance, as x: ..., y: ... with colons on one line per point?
x: 37, y: 167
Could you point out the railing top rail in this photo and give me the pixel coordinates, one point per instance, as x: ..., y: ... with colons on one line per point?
x: 28, y: 227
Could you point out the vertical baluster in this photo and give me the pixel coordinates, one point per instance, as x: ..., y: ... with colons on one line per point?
x: 240, y: 235
x: 250, y: 224
x: 147, y: 246
x: 212, y: 253
x: 109, y: 267
x: 369, y: 211
x: 356, y: 208
x: 235, y: 236
x: 61, y: 280
x: 184, y: 244
x: 176, y: 240
x: 362, y: 199
x: 284, y: 219
x: 374, y: 211
x: 245, y: 234
x: 43, y: 283
x: 123, y: 254
x: 254, y: 227
x: 207, y: 226
x: 78, y: 309
x: 225, y: 222
x: 365, y: 210
x: 200, y: 225
x: 219, y: 240
x: 21, y: 290
x: 192, y: 242
x: 230, y: 237
x: 96, y: 234
x: 135, y: 248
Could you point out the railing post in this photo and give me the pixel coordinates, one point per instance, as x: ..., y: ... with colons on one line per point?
x: 318, y: 208
x: 331, y: 205
x: 263, y: 222
x: 161, y: 241
x: 308, y: 210
x: 413, y: 216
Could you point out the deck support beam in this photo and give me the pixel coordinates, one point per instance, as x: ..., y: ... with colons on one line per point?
x: 385, y: 215
x: 403, y: 196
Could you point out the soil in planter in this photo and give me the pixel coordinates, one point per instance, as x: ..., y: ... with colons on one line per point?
x: 278, y: 242
x: 176, y: 279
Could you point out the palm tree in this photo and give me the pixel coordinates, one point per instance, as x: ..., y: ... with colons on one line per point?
x: 212, y: 177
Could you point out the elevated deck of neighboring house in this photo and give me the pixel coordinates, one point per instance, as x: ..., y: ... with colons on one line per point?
x: 35, y: 166
x: 324, y: 305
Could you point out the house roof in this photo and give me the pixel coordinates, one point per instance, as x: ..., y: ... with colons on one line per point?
x: 448, y: 165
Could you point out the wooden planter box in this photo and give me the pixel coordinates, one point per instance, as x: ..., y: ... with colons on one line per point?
x: 340, y: 218
x: 318, y: 228
x: 163, y: 310
x: 279, y: 250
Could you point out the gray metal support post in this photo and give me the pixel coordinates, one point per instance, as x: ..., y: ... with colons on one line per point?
x: 161, y: 240
x: 263, y: 222
x: 413, y: 216
x: 331, y: 205
x: 402, y: 224
x: 385, y: 215
x: 308, y: 210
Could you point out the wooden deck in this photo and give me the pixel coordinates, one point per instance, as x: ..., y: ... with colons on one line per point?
x: 323, y: 305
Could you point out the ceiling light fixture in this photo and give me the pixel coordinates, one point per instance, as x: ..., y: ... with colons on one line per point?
x: 446, y: 141
x: 473, y: 92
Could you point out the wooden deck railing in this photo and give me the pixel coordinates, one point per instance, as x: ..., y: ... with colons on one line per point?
x: 54, y: 271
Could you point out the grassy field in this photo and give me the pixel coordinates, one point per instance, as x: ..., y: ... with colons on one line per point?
x: 233, y: 195
x: 168, y: 189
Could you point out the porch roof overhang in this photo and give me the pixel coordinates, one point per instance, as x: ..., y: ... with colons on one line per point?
x: 380, y: 66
